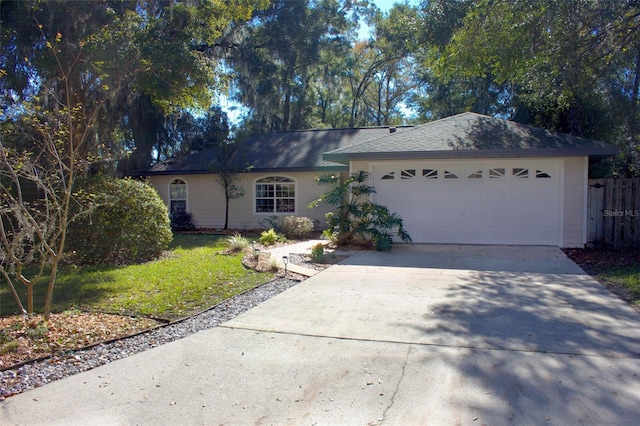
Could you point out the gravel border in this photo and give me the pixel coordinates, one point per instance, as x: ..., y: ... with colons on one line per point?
x: 32, y: 375
x: 299, y: 259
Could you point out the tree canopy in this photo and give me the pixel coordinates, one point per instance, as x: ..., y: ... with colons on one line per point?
x: 75, y: 78
x: 155, y: 68
x: 116, y: 85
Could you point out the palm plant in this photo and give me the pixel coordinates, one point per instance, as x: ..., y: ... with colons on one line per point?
x: 356, y: 216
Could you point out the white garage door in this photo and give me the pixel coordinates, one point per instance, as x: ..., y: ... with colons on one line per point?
x: 475, y: 202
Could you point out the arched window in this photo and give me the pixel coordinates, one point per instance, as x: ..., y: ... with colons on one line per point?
x: 177, y: 196
x: 275, y: 194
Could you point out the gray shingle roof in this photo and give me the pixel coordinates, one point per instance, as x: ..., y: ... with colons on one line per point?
x: 293, y: 151
x: 466, y: 135
x: 471, y: 135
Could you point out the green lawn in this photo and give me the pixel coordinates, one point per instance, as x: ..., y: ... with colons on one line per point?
x: 194, y: 276
x: 625, y: 276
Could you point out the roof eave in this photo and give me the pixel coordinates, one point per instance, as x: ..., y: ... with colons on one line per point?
x: 143, y: 173
x: 469, y: 154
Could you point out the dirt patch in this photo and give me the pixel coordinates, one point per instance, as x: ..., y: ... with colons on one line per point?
x: 598, y: 260
x: 23, y: 339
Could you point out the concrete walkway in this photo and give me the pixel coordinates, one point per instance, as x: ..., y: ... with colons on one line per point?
x: 279, y: 253
x: 422, y: 335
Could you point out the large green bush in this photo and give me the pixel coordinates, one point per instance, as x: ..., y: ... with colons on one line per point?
x: 126, y: 222
x: 291, y: 227
x: 295, y: 227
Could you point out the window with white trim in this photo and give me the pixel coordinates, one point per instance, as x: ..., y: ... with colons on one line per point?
x: 275, y: 194
x: 177, y: 196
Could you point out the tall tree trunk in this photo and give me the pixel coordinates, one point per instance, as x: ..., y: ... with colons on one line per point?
x: 226, y: 209
x: 286, y: 109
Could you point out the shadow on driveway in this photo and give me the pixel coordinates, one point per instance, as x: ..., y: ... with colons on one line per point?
x: 422, y: 335
x: 511, y: 334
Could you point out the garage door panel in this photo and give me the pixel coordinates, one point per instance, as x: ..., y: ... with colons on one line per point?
x: 474, y: 235
x: 519, y: 215
x: 521, y: 234
x: 519, y: 194
x: 543, y: 235
x: 488, y: 202
x: 498, y: 235
x: 475, y: 193
x: 496, y: 191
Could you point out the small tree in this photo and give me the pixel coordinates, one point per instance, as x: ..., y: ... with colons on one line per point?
x: 227, y: 166
x: 36, y: 198
x: 357, y: 217
x: 43, y: 150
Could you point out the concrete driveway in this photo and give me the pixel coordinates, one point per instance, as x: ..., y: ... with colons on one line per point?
x: 427, y: 334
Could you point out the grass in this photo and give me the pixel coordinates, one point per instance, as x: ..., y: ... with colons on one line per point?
x: 194, y: 276
x: 625, y: 276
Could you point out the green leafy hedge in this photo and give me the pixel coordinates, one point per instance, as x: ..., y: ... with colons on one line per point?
x: 120, y: 221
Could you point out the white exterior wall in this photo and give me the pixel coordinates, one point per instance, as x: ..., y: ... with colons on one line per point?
x: 575, y: 202
x: 356, y: 166
x: 205, y: 199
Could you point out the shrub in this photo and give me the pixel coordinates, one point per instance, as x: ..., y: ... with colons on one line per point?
x: 127, y: 222
x: 317, y: 252
x: 294, y: 227
x: 269, y: 238
x: 181, y: 221
x: 237, y: 243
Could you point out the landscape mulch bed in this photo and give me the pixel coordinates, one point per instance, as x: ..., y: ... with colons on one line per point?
x: 596, y: 261
x: 23, y: 339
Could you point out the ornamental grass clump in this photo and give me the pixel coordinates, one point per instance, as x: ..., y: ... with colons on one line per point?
x: 237, y: 243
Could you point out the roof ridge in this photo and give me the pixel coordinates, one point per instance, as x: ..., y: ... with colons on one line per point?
x: 411, y: 129
x: 339, y: 128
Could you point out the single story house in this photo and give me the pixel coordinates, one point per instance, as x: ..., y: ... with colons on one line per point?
x: 465, y: 179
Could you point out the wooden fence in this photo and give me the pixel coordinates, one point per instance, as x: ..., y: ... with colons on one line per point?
x: 614, y: 212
